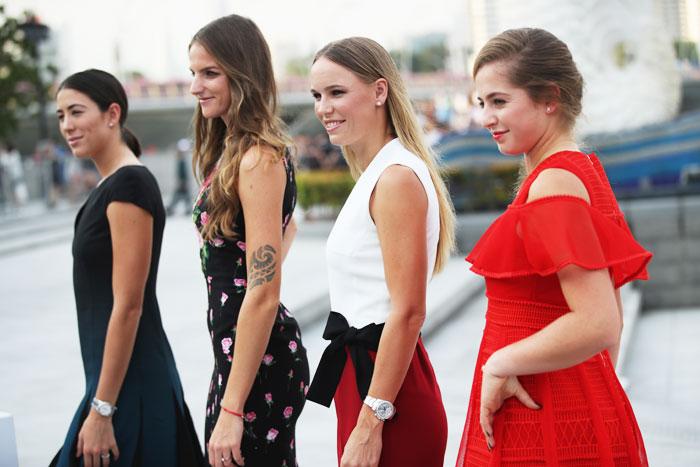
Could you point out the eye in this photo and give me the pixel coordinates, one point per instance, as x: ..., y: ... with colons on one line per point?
x: 499, y: 102
x: 337, y: 92
x: 316, y: 96
x: 211, y: 74
x: 480, y: 103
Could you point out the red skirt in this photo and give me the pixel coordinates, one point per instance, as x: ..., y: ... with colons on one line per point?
x: 417, y: 435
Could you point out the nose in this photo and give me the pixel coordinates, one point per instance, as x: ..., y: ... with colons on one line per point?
x: 196, y: 86
x: 66, y: 124
x: 323, y: 107
x: 486, y: 117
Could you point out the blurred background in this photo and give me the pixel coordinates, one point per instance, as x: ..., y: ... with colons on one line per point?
x: 641, y: 115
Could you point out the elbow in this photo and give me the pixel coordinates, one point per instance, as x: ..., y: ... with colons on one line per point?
x: 411, y: 317
x: 609, y: 333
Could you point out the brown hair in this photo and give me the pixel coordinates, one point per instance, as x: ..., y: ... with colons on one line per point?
x: 369, y: 61
x: 541, y: 64
x: 240, y: 50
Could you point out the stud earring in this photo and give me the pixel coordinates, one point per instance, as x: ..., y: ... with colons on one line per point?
x: 111, y: 125
x: 378, y: 103
x: 548, y: 110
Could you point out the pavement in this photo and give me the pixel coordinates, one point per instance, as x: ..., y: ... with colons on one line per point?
x: 41, y: 376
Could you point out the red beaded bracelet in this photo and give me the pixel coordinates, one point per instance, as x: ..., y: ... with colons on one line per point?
x: 232, y: 412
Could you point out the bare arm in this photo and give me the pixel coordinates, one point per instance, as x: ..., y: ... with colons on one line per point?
x: 131, y: 229
x: 261, y: 191
x: 401, y: 227
x: 614, y: 350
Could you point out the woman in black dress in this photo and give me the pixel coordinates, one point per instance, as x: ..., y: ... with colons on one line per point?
x: 243, y: 213
x: 133, y: 412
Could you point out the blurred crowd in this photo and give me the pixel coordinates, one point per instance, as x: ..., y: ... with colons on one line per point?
x: 50, y: 175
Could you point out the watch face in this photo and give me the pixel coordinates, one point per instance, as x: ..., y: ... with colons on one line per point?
x: 105, y: 410
x: 385, y: 410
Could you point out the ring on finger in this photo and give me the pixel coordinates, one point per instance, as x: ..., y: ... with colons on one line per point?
x: 104, y: 455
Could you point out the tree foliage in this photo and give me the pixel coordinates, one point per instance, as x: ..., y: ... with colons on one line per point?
x: 20, y: 73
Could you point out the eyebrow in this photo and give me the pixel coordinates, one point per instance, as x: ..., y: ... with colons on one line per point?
x: 72, y: 106
x: 492, y: 94
x: 329, y: 87
x: 207, y: 68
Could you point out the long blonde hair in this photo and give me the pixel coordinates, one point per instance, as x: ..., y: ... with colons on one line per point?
x: 369, y: 61
x: 240, y: 50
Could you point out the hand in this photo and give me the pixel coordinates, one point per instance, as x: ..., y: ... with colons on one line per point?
x: 364, y: 447
x: 96, y: 440
x: 494, y: 391
x: 225, y: 442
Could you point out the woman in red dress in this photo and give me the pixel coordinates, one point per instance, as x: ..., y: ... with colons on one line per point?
x: 545, y: 390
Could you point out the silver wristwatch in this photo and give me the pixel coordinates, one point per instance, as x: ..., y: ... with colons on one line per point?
x: 103, y: 408
x: 383, y: 410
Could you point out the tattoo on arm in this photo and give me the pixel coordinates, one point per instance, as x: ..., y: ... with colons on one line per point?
x: 262, y: 267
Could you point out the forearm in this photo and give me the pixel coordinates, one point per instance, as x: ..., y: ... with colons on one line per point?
x: 253, y: 329
x: 396, y: 348
x: 119, y: 346
x: 288, y: 237
x: 569, y: 340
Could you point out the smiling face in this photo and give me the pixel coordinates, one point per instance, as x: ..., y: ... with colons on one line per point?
x: 516, y: 122
x: 346, y: 105
x: 209, y: 84
x: 84, y: 126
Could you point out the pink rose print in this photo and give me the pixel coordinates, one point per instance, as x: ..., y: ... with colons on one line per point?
x: 224, y: 297
x: 268, y: 398
x: 204, y: 218
x: 291, y: 374
x: 241, y: 245
x: 271, y: 435
x: 268, y: 359
x: 306, y: 390
x: 208, y: 279
x: 240, y: 282
x: 217, y: 242
x: 220, y: 378
x: 293, y: 346
x: 226, y: 343
x: 250, y: 417
x: 287, y: 412
x: 239, y: 262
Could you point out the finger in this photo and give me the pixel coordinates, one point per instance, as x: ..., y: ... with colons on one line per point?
x: 238, y: 456
x: 115, y: 452
x: 105, y: 460
x: 522, y: 395
x: 212, y: 458
x: 486, y: 421
x: 79, y: 450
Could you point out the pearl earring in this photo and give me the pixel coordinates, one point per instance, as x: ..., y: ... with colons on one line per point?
x: 549, y: 110
x: 378, y: 103
x: 111, y: 124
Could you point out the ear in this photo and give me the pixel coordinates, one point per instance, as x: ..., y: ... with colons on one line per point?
x: 551, y: 103
x: 114, y: 113
x: 381, y: 91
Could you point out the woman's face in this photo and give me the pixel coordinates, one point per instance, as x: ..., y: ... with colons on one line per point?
x: 209, y: 84
x: 516, y: 122
x: 84, y: 126
x: 345, y: 105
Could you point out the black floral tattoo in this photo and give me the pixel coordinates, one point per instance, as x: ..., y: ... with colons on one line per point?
x: 262, y: 267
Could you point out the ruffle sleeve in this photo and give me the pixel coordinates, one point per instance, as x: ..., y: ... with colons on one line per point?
x: 543, y: 236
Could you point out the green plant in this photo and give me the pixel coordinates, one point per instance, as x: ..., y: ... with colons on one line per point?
x: 328, y: 188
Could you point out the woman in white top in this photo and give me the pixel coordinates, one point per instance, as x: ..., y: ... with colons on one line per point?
x: 394, y: 231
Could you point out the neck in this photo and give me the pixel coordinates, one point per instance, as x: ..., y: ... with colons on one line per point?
x: 548, y: 145
x: 365, y: 150
x: 113, y: 157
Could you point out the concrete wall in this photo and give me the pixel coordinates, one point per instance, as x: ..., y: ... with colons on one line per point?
x: 668, y: 227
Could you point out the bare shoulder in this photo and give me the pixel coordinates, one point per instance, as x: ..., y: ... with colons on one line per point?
x: 557, y: 182
x: 260, y: 157
x: 399, y: 181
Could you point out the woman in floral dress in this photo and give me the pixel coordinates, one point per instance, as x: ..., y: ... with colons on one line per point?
x: 243, y: 214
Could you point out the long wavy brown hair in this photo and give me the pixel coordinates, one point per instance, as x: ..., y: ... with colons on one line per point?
x: 242, y: 53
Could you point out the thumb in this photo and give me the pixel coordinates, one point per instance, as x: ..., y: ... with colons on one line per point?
x: 525, y: 398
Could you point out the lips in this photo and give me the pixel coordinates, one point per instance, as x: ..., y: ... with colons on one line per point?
x: 72, y: 141
x: 497, y: 135
x: 332, y: 125
x: 204, y: 100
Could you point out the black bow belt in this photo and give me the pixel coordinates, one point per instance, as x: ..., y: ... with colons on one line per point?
x: 330, y: 368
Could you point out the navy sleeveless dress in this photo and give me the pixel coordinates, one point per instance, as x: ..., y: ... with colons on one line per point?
x: 152, y: 424
x: 279, y: 390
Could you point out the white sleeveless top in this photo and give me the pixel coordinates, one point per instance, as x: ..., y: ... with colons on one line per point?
x: 357, y: 285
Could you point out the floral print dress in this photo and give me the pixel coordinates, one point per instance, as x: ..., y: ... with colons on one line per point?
x: 279, y: 390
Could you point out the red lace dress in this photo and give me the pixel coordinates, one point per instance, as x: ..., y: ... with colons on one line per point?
x: 586, y: 418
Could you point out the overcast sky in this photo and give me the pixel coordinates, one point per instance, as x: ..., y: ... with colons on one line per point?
x: 151, y: 36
